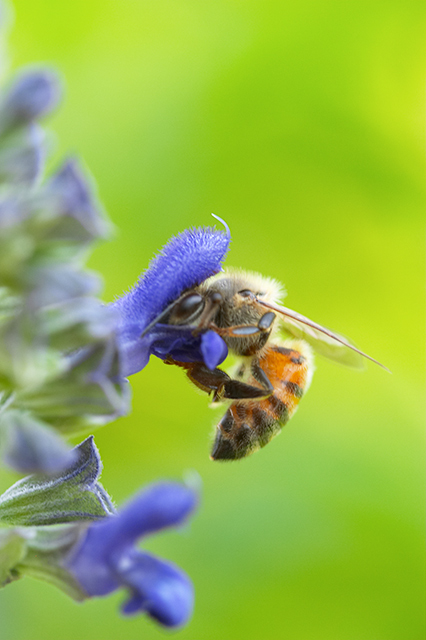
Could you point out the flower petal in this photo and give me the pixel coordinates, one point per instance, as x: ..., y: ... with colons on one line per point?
x: 184, y: 262
x: 213, y: 348
x: 89, y: 562
x: 159, y: 588
x: 177, y: 342
x: 161, y: 505
x: 135, y: 352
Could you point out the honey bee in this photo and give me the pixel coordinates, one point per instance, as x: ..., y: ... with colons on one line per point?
x: 272, y: 373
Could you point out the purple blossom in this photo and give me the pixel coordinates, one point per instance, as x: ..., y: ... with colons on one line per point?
x: 106, y: 558
x: 184, y: 262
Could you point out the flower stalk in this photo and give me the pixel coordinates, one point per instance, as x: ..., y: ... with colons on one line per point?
x: 61, y: 372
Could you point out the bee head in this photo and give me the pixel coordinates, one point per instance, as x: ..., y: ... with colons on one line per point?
x: 238, y: 300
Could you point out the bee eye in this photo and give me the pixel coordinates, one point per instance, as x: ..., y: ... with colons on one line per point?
x: 246, y: 293
x: 190, y: 306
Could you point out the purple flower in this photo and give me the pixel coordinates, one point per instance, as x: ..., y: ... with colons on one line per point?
x: 184, y: 262
x: 106, y: 558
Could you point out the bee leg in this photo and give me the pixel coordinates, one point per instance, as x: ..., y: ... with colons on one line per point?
x: 262, y: 378
x: 207, y: 380
x: 244, y: 330
x: 237, y: 390
x: 221, y: 385
x: 203, y: 378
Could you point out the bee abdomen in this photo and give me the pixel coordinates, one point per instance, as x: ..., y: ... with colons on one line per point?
x: 249, y: 425
x: 235, y: 437
x: 293, y: 388
x: 276, y: 406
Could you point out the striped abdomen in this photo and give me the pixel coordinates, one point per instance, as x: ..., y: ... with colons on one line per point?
x: 249, y: 424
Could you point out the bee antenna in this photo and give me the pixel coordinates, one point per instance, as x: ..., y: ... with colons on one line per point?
x: 228, y: 233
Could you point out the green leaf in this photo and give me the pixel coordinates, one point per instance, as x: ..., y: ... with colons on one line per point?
x: 73, y: 495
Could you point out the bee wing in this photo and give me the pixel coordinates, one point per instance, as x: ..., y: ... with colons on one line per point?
x: 326, y: 342
x: 334, y: 346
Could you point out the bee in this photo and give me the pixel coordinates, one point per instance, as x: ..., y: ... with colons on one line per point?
x: 272, y: 373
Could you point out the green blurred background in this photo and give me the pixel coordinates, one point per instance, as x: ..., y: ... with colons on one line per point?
x: 301, y: 124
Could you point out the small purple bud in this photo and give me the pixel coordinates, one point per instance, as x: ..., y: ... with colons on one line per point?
x: 33, y: 447
x: 73, y: 196
x: 32, y: 96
